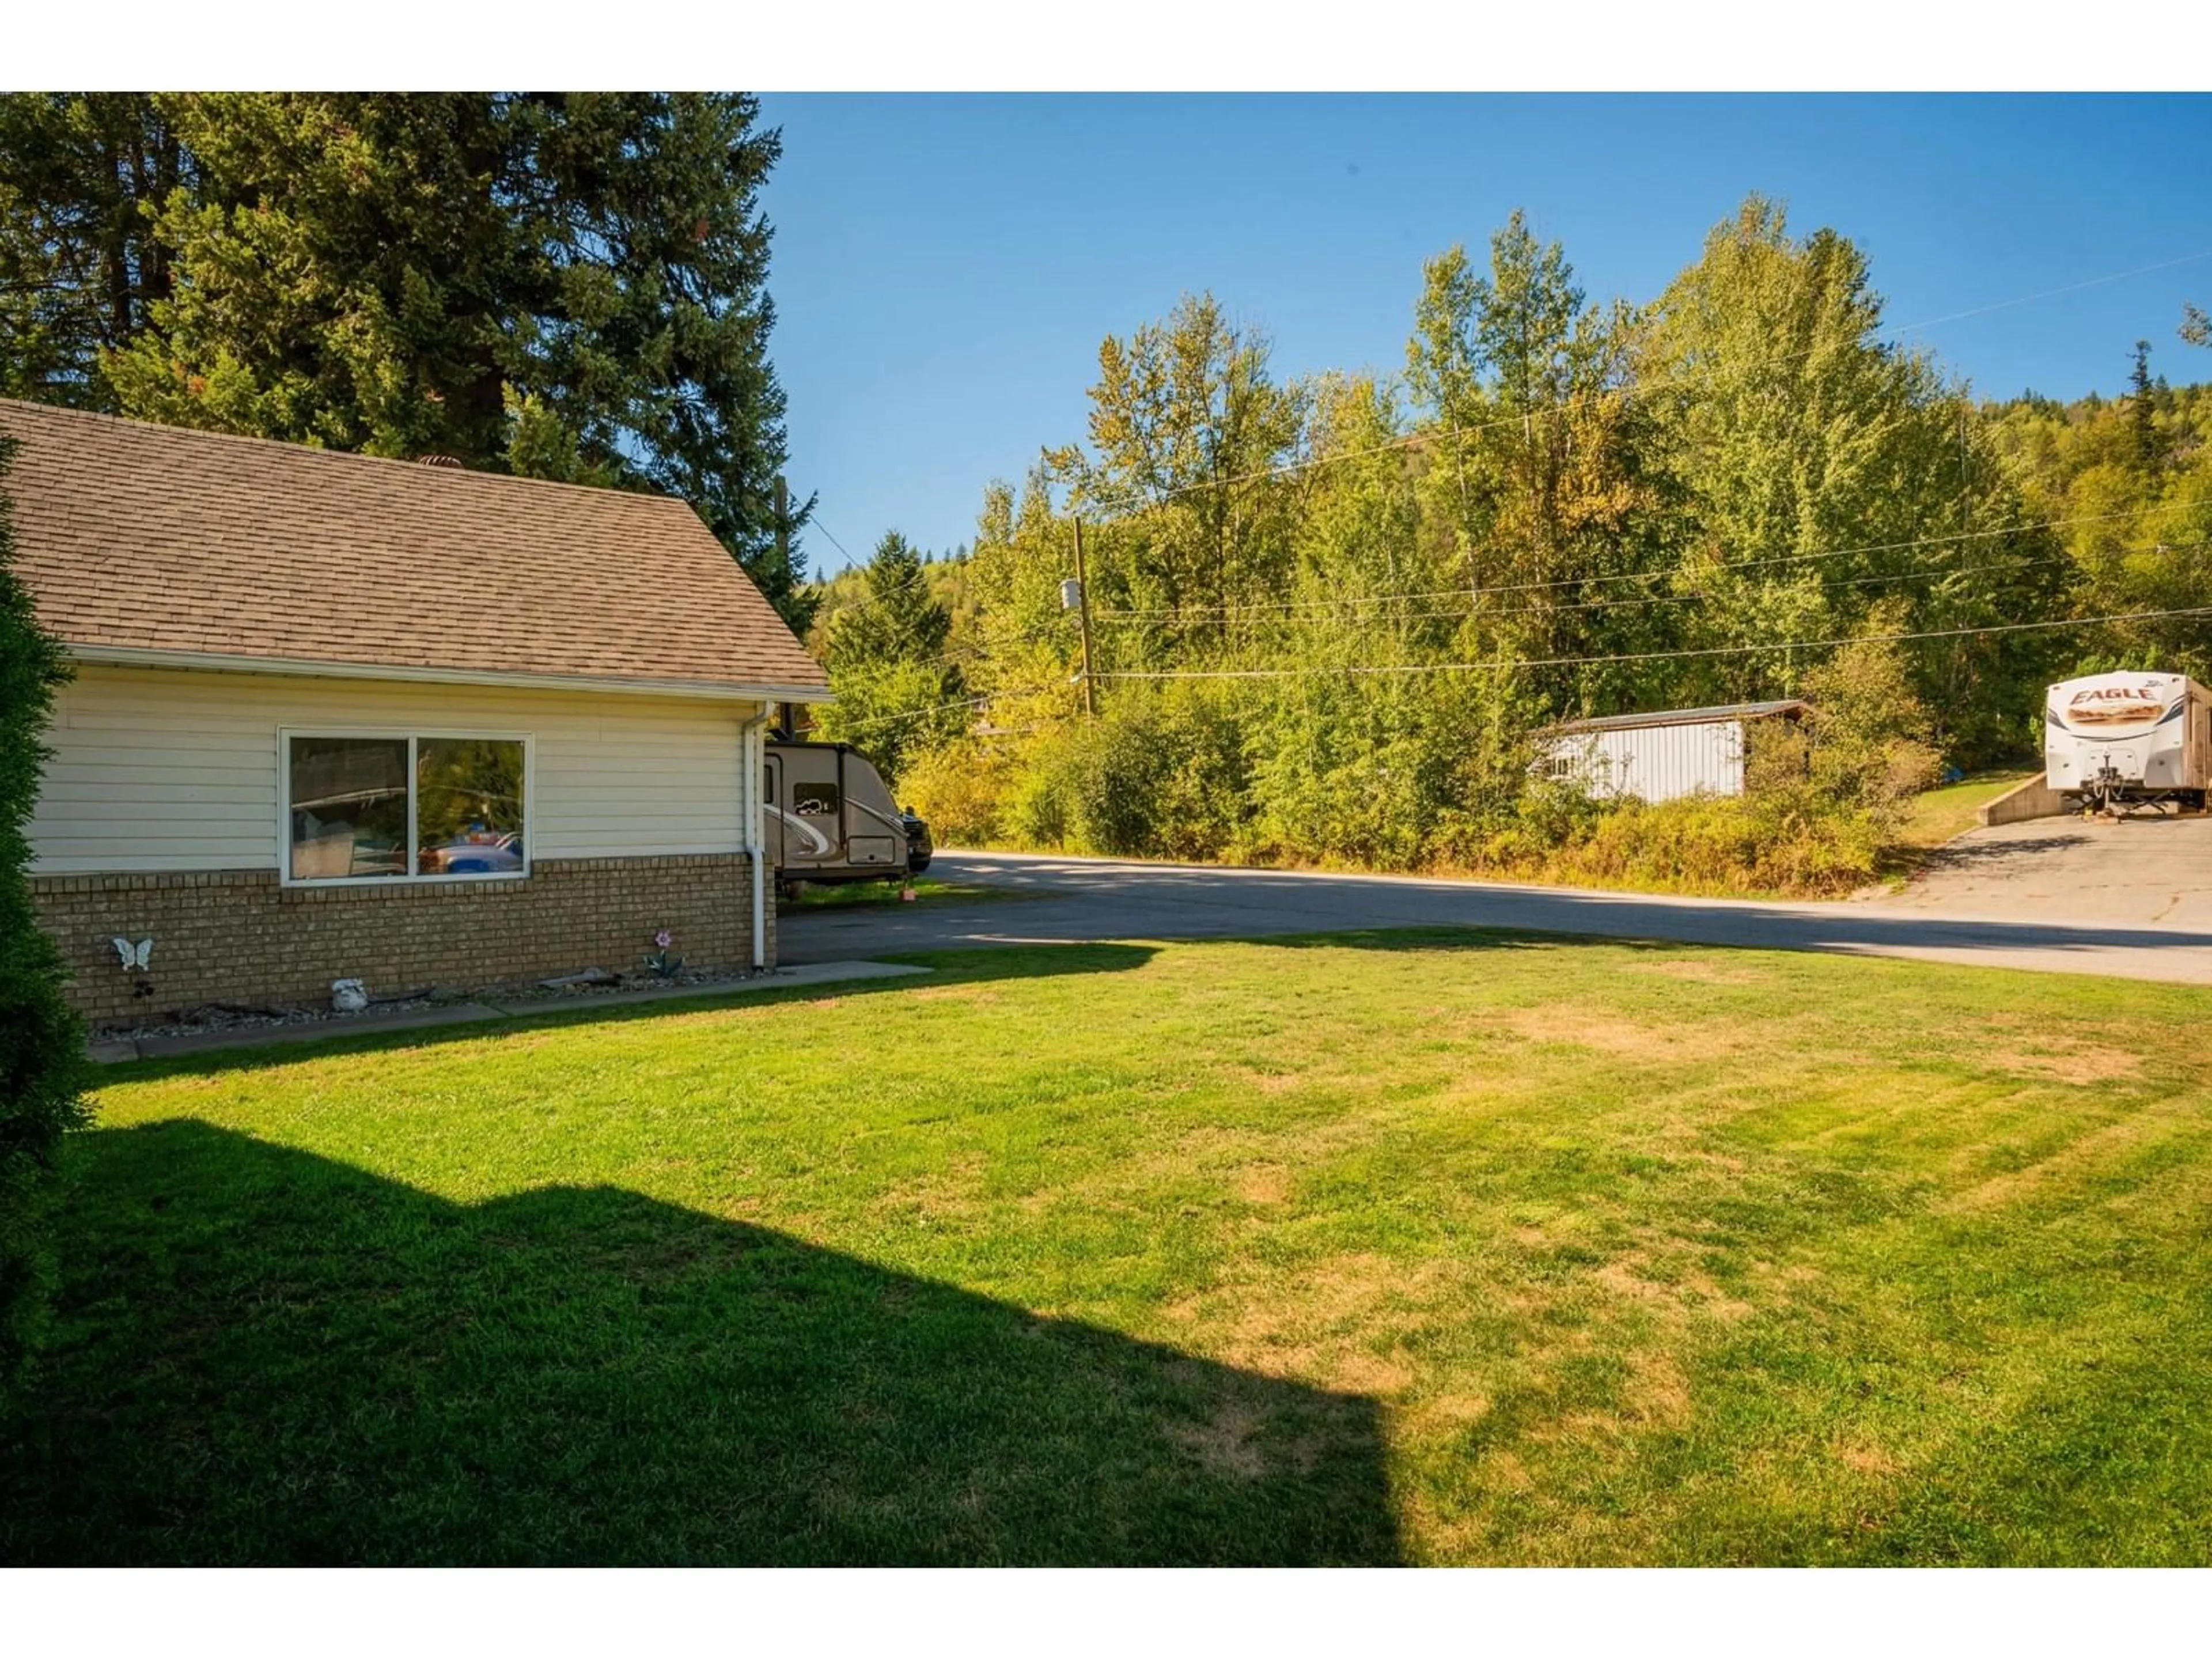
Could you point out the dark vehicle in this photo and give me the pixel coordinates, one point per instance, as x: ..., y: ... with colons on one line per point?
x: 918, y: 845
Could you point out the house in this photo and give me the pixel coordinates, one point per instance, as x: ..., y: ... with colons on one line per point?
x: 340, y: 717
x: 1664, y: 754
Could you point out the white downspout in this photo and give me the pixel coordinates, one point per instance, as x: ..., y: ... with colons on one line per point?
x: 754, y: 756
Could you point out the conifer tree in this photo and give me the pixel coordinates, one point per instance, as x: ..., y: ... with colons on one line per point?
x: 560, y: 285
x: 2143, y: 411
x: 897, y: 695
x: 41, y: 1039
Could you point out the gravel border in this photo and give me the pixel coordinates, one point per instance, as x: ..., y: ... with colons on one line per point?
x: 284, y: 1015
x: 422, y: 1013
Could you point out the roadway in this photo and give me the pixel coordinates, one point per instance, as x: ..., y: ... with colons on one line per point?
x: 2132, y: 899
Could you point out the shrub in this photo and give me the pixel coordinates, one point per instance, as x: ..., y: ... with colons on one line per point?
x: 1094, y: 786
x: 1204, y: 788
x: 41, y: 1039
x: 1039, y: 807
x: 1153, y: 776
x: 1869, y: 740
x: 1388, y: 776
x: 1722, y: 844
x: 960, y: 789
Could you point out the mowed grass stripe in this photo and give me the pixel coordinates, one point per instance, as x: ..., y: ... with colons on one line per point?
x: 1422, y: 1247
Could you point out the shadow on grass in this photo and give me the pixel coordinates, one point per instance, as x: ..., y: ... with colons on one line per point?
x: 264, y: 1355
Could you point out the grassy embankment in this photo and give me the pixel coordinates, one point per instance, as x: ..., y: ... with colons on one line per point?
x: 1702, y: 848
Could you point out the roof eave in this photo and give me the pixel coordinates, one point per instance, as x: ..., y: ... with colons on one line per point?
x: 1779, y: 708
x: 121, y: 656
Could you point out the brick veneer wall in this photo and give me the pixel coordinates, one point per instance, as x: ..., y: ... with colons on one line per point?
x: 239, y: 936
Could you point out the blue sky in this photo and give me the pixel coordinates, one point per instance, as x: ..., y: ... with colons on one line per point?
x: 945, y: 266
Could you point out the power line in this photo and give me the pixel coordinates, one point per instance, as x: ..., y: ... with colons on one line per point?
x: 976, y: 701
x: 980, y: 649
x: 2054, y: 292
x: 912, y: 714
x: 816, y: 523
x: 1414, y: 439
x: 976, y: 652
x: 981, y: 698
x: 1471, y: 589
x: 1696, y: 596
x: 1638, y: 656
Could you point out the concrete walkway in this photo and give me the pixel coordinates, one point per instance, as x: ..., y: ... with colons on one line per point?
x: 116, y: 1050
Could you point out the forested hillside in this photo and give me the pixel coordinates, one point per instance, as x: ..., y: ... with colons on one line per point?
x: 1328, y: 612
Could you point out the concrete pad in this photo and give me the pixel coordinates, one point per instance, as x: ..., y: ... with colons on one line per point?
x: 2033, y: 799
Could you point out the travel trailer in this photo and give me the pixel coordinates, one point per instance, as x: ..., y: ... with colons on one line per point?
x: 832, y: 819
x: 2113, y: 741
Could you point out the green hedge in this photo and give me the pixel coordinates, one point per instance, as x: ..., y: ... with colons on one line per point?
x: 41, y: 1039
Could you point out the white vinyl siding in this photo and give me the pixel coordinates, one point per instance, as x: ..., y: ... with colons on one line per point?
x: 1658, y: 763
x: 163, y: 770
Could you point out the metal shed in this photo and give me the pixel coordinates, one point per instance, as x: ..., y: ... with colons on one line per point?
x: 1662, y: 755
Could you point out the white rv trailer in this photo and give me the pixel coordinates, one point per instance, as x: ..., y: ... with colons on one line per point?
x: 830, y: 818
x: 2113, y: 740
x: 1662, y: 755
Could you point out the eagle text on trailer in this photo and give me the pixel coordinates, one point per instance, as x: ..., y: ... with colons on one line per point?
x: 2113, y: 742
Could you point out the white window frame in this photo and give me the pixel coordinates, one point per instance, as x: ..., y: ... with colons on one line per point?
x: 410, y: 735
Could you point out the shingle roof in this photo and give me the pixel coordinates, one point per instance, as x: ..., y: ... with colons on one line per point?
x: 147, y: 537
x: 1727, y: 711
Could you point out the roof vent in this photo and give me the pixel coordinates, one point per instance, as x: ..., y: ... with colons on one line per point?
x: 440, y: 460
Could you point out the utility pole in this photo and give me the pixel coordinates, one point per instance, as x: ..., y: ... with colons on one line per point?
x: 1966, y: 486
x: 783, y: 563
x: 1083, y: 609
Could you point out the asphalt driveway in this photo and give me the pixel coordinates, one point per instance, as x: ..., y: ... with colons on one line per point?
x: 2145, y: 871
x: 1976, y: 906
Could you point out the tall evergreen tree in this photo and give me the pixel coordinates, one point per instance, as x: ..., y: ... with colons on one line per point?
x: 81, y: 175
x: 2142, y: 410
x: 568, y: 286
x: 887, y: 662
x: 896, y: 617
x: 41, y: 1040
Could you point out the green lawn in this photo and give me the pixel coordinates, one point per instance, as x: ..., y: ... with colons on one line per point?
x: 1440, y: 1247
x: 1939, y: 814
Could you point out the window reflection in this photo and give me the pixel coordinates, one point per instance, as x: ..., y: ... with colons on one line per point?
x: 357, y: 803
x: 468, y: 806
x: 348, y: 807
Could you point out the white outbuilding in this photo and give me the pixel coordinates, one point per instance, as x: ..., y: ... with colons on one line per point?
x: 1662, y: 755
